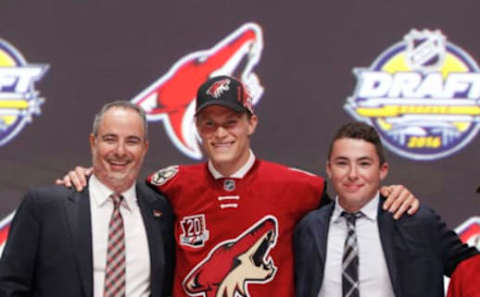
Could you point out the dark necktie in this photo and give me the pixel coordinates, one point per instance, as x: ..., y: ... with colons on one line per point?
x: 350, y: 281
x: 115, y: 265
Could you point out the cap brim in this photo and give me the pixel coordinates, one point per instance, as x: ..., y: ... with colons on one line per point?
x: 229, y: 105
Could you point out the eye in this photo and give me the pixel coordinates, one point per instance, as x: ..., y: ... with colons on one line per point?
x: 133, y: 140
x: 208, y: 124
x: 109, y: 139
x: 365, y: 163
x: 231, y: 123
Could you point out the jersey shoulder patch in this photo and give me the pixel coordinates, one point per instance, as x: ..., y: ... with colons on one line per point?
x: 163, y: 175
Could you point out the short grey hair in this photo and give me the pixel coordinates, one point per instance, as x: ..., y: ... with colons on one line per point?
x: 120, y: 104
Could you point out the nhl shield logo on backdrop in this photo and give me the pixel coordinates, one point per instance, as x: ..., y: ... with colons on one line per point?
x: 19, y: 100
x: 422, y: 95
x: 425, y: 50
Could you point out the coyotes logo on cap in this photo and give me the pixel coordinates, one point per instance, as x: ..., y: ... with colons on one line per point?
x: 19, y: 100
x: 422, y: 95
x: 171, y: 99
x: 218, y: 88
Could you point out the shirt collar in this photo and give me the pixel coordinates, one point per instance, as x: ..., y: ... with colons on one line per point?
x: 101, y: 193
x: 240, y: 173
x: 369, y: 210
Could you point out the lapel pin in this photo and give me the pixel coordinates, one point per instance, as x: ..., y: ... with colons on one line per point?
x: 157, y: 213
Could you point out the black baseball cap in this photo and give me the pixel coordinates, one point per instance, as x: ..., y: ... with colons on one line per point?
x: 225, y: 91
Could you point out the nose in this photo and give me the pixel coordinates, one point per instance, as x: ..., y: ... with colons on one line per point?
x: 220, y: 132
x: 120, y: 149
x: 353, y: 172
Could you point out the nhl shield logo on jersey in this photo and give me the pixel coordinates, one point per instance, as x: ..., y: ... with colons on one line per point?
x: 422, y: 95
x: 195, y: 232
x: 233, y: 264
x: 229, y: 185
x: 163, y: 175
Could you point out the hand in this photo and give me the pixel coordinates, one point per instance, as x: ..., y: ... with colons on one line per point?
x: 399, y: 200
x: 76, y: 177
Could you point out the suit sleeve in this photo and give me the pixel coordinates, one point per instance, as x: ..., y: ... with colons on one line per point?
x: 452, y: 250
x: 18, y: 260
x: 466, y: 279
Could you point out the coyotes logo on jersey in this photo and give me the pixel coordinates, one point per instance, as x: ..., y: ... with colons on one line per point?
x: 233, y: 264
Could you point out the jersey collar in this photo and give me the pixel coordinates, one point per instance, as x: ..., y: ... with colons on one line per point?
x: 240, y: 173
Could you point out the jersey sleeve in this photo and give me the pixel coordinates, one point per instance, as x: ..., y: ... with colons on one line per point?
x: 163, y: 180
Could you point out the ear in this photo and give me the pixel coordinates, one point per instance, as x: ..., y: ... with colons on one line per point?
x: 92, y: 139
x: 328, y: 169
x: 252, y: 124
x: 147, y: 145
x: 384, y: 170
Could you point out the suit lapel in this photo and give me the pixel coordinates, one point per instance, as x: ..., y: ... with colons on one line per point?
x: 387, y: 230
x: 151, y: 209
x: 77, y: 207
x: 321, y: 237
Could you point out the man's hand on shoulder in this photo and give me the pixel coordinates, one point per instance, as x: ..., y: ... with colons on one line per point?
x: 399, y: 200
x: 76, y: 177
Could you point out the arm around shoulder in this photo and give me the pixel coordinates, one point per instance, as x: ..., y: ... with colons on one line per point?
x: 452, y: 250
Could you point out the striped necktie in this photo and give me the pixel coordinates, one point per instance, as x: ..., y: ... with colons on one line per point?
x: 115, y: 265
x: 350, y: 281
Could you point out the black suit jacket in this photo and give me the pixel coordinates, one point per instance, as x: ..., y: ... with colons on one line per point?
x: 418, y: 250
x: 49, y: 247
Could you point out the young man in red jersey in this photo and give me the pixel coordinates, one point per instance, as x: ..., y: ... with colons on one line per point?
x: 235, y: 213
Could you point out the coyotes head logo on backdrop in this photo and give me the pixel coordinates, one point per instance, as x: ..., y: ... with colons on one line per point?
x: 171, y: 98
x: 233, y: 264
x: 422, y: 95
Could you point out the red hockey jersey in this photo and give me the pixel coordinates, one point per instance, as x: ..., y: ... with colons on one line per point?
x: 235, y: 235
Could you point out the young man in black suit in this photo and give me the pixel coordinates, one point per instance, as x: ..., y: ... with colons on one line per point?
x: 354, y: 248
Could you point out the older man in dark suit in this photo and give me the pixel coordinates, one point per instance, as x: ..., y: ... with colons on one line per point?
x: 354, y: 248
x: 112, y: 239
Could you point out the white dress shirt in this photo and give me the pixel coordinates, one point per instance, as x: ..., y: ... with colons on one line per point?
x: 136, y: 244
x: 372, y: 272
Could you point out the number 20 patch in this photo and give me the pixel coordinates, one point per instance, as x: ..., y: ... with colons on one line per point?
x: 195, y: 232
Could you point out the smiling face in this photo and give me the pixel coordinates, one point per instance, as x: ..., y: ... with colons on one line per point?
x: 118, y: 148
x: 355, y: 171
x: 225, y: 137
